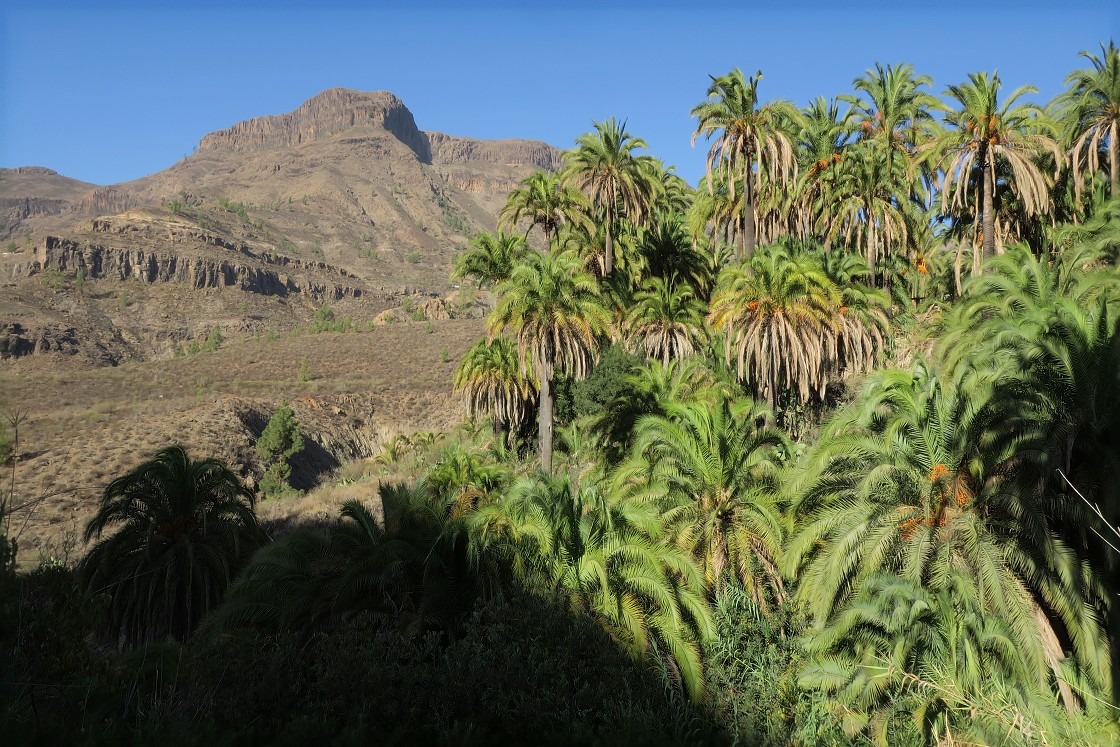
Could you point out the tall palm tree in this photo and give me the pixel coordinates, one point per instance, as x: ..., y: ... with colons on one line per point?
x: 180, y: 530
x: 712, y: 468
x: 1090, y: 107
x: 821, y: 139
x: 491, y: 258
x: 555, y: 312
x: 864, y: 197
x: 981, y: 132
x: 787, y: 326
x: 666, y: 321
x: 544, y: 201
x: 892, y: 112
x: 493, y: 382
x: 752, y: 142
x: 603, y: 164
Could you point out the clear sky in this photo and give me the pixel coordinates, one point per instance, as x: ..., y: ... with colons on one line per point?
x: 112, y: 91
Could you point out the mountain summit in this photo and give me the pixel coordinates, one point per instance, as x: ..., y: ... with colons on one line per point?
x: 329, y: 113
x: 346, y: 177
x: 343, y: 200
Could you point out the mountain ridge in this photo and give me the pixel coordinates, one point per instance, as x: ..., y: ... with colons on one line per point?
x: 343, y: 200
x: 38, y: 198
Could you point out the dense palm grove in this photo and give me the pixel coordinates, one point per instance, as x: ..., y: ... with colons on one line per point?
x: 824, y: 450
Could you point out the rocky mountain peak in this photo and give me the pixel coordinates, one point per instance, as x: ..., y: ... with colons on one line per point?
x: 328, y: 113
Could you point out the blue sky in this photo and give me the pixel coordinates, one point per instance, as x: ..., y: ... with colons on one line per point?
x: 112, y: 91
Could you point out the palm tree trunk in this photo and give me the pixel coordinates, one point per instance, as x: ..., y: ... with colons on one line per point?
x: 544, y: 419
x: 989, y: 188
x: 957, y: 267
x: 1114, y: 159
x: 719, y: 556
x: 748, y: 216
x: 872, y: 240
x: 608, y: 260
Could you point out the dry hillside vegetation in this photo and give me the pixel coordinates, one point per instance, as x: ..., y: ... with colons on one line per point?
x: 87, y: 425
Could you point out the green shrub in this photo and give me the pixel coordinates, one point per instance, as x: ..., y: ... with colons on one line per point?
x: 325, y: 320
x: 213, y: 340
x: 279, y: 442
x: 237, y: 208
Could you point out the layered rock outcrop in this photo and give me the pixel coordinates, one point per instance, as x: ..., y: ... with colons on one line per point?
x: 329, y: 113
x: 449, y: 150
x: 154, y: 266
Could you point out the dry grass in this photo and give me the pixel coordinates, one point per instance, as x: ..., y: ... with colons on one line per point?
x: 87, y: 426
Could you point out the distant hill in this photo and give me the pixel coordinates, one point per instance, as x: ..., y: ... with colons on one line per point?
x: 344, y: 200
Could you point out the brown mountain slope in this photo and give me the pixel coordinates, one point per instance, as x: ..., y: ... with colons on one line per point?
x: 347, y: 177
x: 343, y: 200
x: 33, y: 191
x: 108, y: 293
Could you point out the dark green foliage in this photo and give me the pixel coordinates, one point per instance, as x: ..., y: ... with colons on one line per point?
x: 171, y: 536
x: 278, y: 443
x: 325, y: 320
x: 604, y: 385
x: 45, y: 621
x: 753, y: 665
x: 523, y: 672
x: 213, y: 340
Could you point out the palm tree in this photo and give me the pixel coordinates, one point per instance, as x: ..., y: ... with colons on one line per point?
x: 917, y: 480
x: 544, y: 201
x: 493, y: 381
x: 556, y: 314
x: 863, y: 324
x: 821, y: 140
x: 589, y: 243
x: 752, y: 143
x: 462, y: 478
x: 666, y: 321
x: 909, y: 665
x: 649, y: 390
x: 1090, y: 107
x: 893, y: 113
x: 613, y: 178
x: 491, y: 258
x: 411, y: 570
x: 981, y: 132
x: 668, y: 251
x: 712, y: 468
x: 863, y: 199
x: 784, y: 325
x: 717, y: 210
x: 672, y: 194
x: 607, y: 559
x: 180, y: 532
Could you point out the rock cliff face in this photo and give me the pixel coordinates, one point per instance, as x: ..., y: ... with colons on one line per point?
x: 329, y: 113
x: 106, y: 201
x: 448, y: 150
x: 263, y: 274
